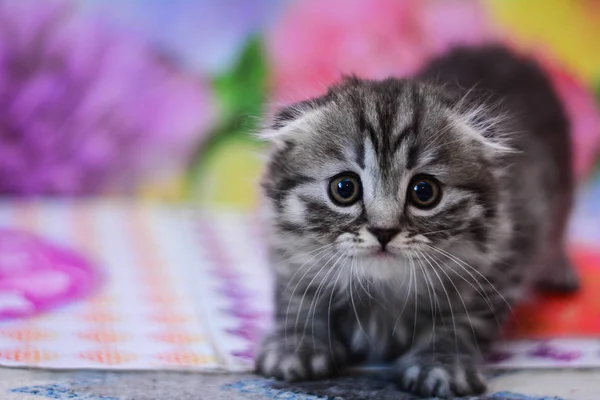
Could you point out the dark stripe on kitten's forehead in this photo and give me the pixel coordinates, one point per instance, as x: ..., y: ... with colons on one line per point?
x: 417, y: 109
x: 387, y: 141
x: 360, y: 154
x: 365, y: 126
x: 414, y: 129
x: 411, y: 158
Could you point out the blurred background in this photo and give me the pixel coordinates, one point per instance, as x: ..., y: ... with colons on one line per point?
x: 159, y: 99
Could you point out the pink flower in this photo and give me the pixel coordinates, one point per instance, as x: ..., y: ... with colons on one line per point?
x: 317, y: 41
x: 84, y: 109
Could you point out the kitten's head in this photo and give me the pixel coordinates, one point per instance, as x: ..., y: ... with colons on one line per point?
x: 383, y: 172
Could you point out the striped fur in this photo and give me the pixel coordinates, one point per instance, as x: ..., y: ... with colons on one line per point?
x: 487, y: 125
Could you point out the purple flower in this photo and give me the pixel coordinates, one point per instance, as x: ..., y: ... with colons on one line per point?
x: 207, y: 35
x: 84, y: 109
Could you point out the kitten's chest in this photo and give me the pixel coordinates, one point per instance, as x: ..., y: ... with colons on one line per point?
x: 373, y: 330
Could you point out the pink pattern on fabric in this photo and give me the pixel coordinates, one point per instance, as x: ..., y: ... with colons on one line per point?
x: 36, y: 276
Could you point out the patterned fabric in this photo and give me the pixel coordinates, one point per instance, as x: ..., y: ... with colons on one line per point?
x: 347, y: 389
x: 36, y: 276
x: 39, y: 385
x: 189, y: 291
x: 144, y: 316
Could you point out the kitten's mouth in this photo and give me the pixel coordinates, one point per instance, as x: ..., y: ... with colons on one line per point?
x: 379, y: 253
x: 383, y: 254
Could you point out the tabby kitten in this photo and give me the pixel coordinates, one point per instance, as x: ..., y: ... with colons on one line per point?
x: 408, y: 215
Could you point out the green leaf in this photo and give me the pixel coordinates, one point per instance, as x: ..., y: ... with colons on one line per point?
x: 242, y: 91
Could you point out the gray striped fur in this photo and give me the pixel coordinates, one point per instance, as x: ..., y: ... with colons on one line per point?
x: 489, y: 127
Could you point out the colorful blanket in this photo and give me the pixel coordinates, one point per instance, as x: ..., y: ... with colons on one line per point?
x: 185, y: 290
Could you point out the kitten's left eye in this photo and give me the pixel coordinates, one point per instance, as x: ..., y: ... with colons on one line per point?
x: 345, y: 189
x: 424, y: 192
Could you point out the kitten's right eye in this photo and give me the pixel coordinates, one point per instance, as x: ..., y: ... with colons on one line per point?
x: 424, y: 192
x: 345, y: 189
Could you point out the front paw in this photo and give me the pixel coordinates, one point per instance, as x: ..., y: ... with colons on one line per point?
x: 295, y: 360
x: 450, y: 377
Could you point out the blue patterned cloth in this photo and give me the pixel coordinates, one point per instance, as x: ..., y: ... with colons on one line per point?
x: 194, y: 386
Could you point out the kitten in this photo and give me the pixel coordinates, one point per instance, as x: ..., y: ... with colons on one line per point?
x: 408, y: 215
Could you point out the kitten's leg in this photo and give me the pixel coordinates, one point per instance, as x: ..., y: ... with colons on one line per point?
x: 296, y: 359
x: 444, y: 366
x: 558, y: 275
x: 302, y: 345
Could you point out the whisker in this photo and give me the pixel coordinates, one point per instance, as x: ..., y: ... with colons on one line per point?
x: 354, y: 305
x: 428, y: 284
x: 461, y: 300
x: 414, y: 335
x: 362, y: 286
x: 449, y: 305
x: 308, y: 287
x: 458, y: 260
x: 329, y: 316
x: 480, y: 291
x: 407, y: 294
x: 438, y: 231
x: 315, y: 299
x: 291, y: 297
x: 318, y: 251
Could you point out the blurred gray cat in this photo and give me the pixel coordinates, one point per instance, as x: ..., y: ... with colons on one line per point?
x: 408, y: 215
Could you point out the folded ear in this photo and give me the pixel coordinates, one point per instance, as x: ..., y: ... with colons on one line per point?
x: 494, y: 129
x: 294, y: 111
x: 481, y: 116
x: 282, y: 122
